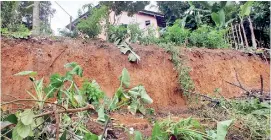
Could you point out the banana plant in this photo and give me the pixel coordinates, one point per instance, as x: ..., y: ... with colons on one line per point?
x: 218, y: 13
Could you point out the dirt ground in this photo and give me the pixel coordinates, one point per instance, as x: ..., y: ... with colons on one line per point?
x: 103, y: 62
x: 210, y: 69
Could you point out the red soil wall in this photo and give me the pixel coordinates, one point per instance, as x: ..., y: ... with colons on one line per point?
x: 104, y: 62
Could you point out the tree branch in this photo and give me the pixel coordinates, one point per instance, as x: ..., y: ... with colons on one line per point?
x: 88, y: 107
x: 33, y: 100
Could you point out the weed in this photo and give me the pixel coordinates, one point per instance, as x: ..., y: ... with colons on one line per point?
x: 183, y: 71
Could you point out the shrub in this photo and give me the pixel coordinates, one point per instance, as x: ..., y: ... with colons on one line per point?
x: 92, y: 26
x: 119, y: 31
x: 176, y: 34
x: 149, y: 36
x: 67, y: 33
x: 135, y: 32
x: 206, y: 36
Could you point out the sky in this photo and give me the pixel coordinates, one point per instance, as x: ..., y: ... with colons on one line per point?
x: 61, y: 18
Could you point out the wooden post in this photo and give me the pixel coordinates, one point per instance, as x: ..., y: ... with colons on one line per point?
x: 236, y: 47
x: 237, y: 35
x: 242, y: 42
x: 254, y: 44
x: 244, y: 32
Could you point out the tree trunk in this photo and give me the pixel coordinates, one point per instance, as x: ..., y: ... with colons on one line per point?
x: 242, y: 42
x: 36, y: 18
x: 244, y: 32
x: 252, y: 34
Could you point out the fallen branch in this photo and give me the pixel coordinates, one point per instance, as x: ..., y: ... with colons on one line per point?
x: 57, y: 122
x: 33, y: 100
x: 105, y: 127
x: 88, y: 107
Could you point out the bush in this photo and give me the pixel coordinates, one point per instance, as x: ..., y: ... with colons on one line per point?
x: 149, y: 36
x: 92, y: 26
x: 206, y: 36
x: 135, y: 32
x: 119, y: 31
x: 67, y: 33
x: 176, y: 34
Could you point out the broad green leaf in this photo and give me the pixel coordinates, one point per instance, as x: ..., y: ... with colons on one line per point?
x: 15, y: 135
x: 124, y: 50
x: 113, y: 104
x: 138, y: 136
x: 64, y: 135
x: 70, y: 65
x: 134, y: 92
x: 133, y: 107
x: 77, y: 70
x: 56, y: 80
x: 101, y: 114
x: 142, y: 109
x: 30, y: 73
x: 132, y: 57
x: 23, y: 130
x: 27, y: 117
x: 12, y: 118
x: 90, y: 136
x: 144, y: 96
x: 222, y: 129
x: 212, y: 134
x: 246, y: 8
x: 218, y: 18
x: 125, y: 78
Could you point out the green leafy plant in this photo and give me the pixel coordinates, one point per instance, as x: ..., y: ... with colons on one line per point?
x: 206, y: 36
x: 135, y: 98
x: 187, y: 129
x: 222, y: 130
x: 176, y: 33
x: 20, y: 32
x: 92, y: 91
x: 91, y: 26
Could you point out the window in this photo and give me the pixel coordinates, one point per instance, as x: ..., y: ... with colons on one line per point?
x: 147, y: 22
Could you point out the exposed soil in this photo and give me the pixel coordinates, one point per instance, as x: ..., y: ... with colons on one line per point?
x: 100, y: 61
x: 103, y: 62
x: 210, y: 69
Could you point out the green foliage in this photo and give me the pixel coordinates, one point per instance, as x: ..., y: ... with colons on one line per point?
x: 92, y: 91
x: 135, y: 32
x: 129, y: 6
x: 187, y: 129
x: 177, y: 34
x: 206, y: 36
x: 67, y: 33
x: 124, y: 47
x: 20, y: 32
x: 119, y: 31
x: 148, y: 37
x: 222, y: 130
x: 91, y: 26
x: 31, y: 123
x: 184, y: 78
x: 135, y: 98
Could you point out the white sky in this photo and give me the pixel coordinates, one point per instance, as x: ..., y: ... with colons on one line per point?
x: 61, y: 19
